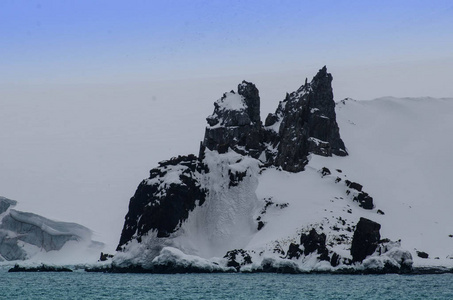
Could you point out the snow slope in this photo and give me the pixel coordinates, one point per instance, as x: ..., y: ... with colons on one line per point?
x: 399, y: 153
x: 399, y: 150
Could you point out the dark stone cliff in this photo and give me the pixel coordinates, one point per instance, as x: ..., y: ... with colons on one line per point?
x: 236, y: 123
x: 304, y: 123
x: 161, y: 204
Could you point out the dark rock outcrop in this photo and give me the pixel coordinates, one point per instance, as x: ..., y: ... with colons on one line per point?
x: 294, y: 251
x: 325, y: 171
x: 260, y: 225
x: 235, y: 122
x: 268, y: 265
x: 315, y: 242
x: 354, y: 185
x: 304, y: 123
x: 336, y: 260
x: 237, y: 258
x: 161, y: 203
x: 365, y: 240
x: 365, y: 200
x: 41, y: 268
x: 105, y: 256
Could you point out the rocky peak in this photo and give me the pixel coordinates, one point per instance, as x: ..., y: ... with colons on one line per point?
x: 304, y: 123
x: 252, y: 99
x: 322, y: 94
x: 235, y: 122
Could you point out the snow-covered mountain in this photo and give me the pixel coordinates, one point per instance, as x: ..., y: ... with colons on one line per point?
x: 286, y: 196
x: 28, y: 236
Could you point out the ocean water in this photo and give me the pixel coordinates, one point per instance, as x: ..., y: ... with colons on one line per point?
x: 81, y: 285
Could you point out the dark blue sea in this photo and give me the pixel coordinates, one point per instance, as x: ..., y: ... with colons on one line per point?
x: 81, y: 285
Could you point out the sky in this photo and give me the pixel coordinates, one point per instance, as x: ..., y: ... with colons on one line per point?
x: 399, y: 43
x: 94, y: 93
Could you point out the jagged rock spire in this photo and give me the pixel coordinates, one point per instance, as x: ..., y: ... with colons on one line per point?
x: 235, y: 122
x: 305, y: 122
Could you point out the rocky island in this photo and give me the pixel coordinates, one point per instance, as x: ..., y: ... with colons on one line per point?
x: 240, y: 204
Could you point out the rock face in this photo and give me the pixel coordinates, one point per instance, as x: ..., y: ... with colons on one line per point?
x: 366, y: 239
x: 235, y: 122
x: 18, y: 228
x: 313, y: 242
x: 305, y: 122
x: 164, y: 200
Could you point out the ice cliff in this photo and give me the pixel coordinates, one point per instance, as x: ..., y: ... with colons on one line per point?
x: 24, y: 235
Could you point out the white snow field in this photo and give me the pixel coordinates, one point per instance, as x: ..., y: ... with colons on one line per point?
x: 399, y: 151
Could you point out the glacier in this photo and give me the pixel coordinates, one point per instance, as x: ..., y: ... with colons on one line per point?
x: 28, y: 236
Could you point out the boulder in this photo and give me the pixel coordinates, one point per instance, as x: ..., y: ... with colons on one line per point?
x: 41, y: 268
x: 294, y: 251
x: 365, y: 200
x: 313, y: 242
x: 422, y: 254
x: 365, y: 240
x: 325, y: 171
x: 237, y: 258
x: 354, y: 185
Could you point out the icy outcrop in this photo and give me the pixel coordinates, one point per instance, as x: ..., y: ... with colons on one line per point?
x: 23, y: 234
x: 6, y: 203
